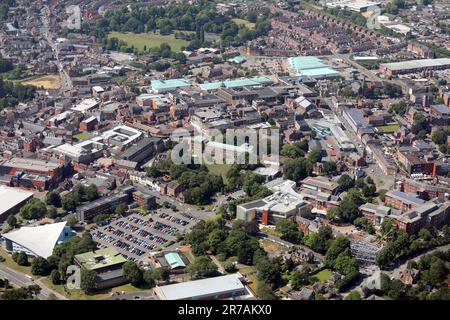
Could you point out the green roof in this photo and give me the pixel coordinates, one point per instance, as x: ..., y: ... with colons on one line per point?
x: 304, y: 63
x: 100, y: 259
x: 170, y: 83
x: 174, y: 260
x: 236, y: 83
x: 311, y: 67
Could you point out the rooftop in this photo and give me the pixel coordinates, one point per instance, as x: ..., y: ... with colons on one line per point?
x: 100, y: 258
x: 39, y: 240
x: 10, y: 197
x: 413, y: 64
x: 204, y: 287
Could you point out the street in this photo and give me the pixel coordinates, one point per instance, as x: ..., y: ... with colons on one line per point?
x: 20, y: 280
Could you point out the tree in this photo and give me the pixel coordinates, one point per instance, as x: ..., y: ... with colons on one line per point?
x: 40, y: 266
x: 301, y: 278
x: 339, y: 245
x: 329, y: 167
x: 121, y: 209
x: 33, y: 209
x: 91, y: 193
x: 315, y: 156
x: 439, y: 136
x: 148, y: 278
x: 72, y: 220
x: 297, y: 169
x: 319, y: 241
x: 267, y: 271
x: 53, y: 199
x: 55, y: 276
x: 69, y: 203
x: 229, y: 266
x: 289, y: 231
x: 353, y: 295
x: 12, y: 221
x: 369, y: 190
x: 264, y: 291
x: 202, y: 266
x: 52, y: 213
x: 88, y: 281
x: 346, y: 182
x: 162, y: 274
x: 22, y: 259
x: 132, y: 273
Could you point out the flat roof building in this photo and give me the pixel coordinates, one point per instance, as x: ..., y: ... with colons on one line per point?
x: 218, y: 288
x: 310, y: 66
x: 413, y: 66
x: 11, y: 200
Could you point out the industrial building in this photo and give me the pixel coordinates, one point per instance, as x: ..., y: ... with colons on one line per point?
x: 310, y: 66
x: 37, y: 241
x: 413, y: 66
x: 11, y: 200
x: 236, y: 83
x: 218, y: 288
x: 163, y: 86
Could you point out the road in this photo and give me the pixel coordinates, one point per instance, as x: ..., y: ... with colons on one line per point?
x: 18, y: 279
x: 404, y: 264
x: 66, y: 83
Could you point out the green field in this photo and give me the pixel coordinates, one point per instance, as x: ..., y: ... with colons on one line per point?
x: 244, y: 22
x: 389, y: 128
x: 82, y: 136
x: 151, y: 40
x: 323, y: 275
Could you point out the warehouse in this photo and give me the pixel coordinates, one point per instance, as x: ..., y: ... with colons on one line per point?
x: 11, y: 201
x: 218, y: 288
x: 413, y: 66
x: 312, y: 67
x: 163, y: 86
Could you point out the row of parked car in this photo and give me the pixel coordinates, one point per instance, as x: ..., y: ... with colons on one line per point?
x: 176, y: 220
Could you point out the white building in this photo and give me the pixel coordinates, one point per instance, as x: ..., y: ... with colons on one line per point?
x: 11, y: 200
x: 37, y: 241
x: 218, y: 288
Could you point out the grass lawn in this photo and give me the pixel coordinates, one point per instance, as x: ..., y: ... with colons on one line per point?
x: 151, y: 40
x: 323, y: 275
x: 389, y: 128
x: 9, y: 262
x: 80, y: 295
x: 271, y: 247
x: 244, y: 22
x: 247, y: 270
x: 47, y: 82
x: 254, y: 283
x: 82, y: 136
x: 270, y: 231
x: 387, y: 298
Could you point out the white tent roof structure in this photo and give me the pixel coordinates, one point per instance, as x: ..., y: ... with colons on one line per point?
x: 39, y: 240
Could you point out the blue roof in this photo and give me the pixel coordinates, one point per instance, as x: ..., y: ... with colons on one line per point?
x: 174, y: 260
x: 170, y: 83
x: 236, y: 83
x: 311, y: 66
x: 303, y: 63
